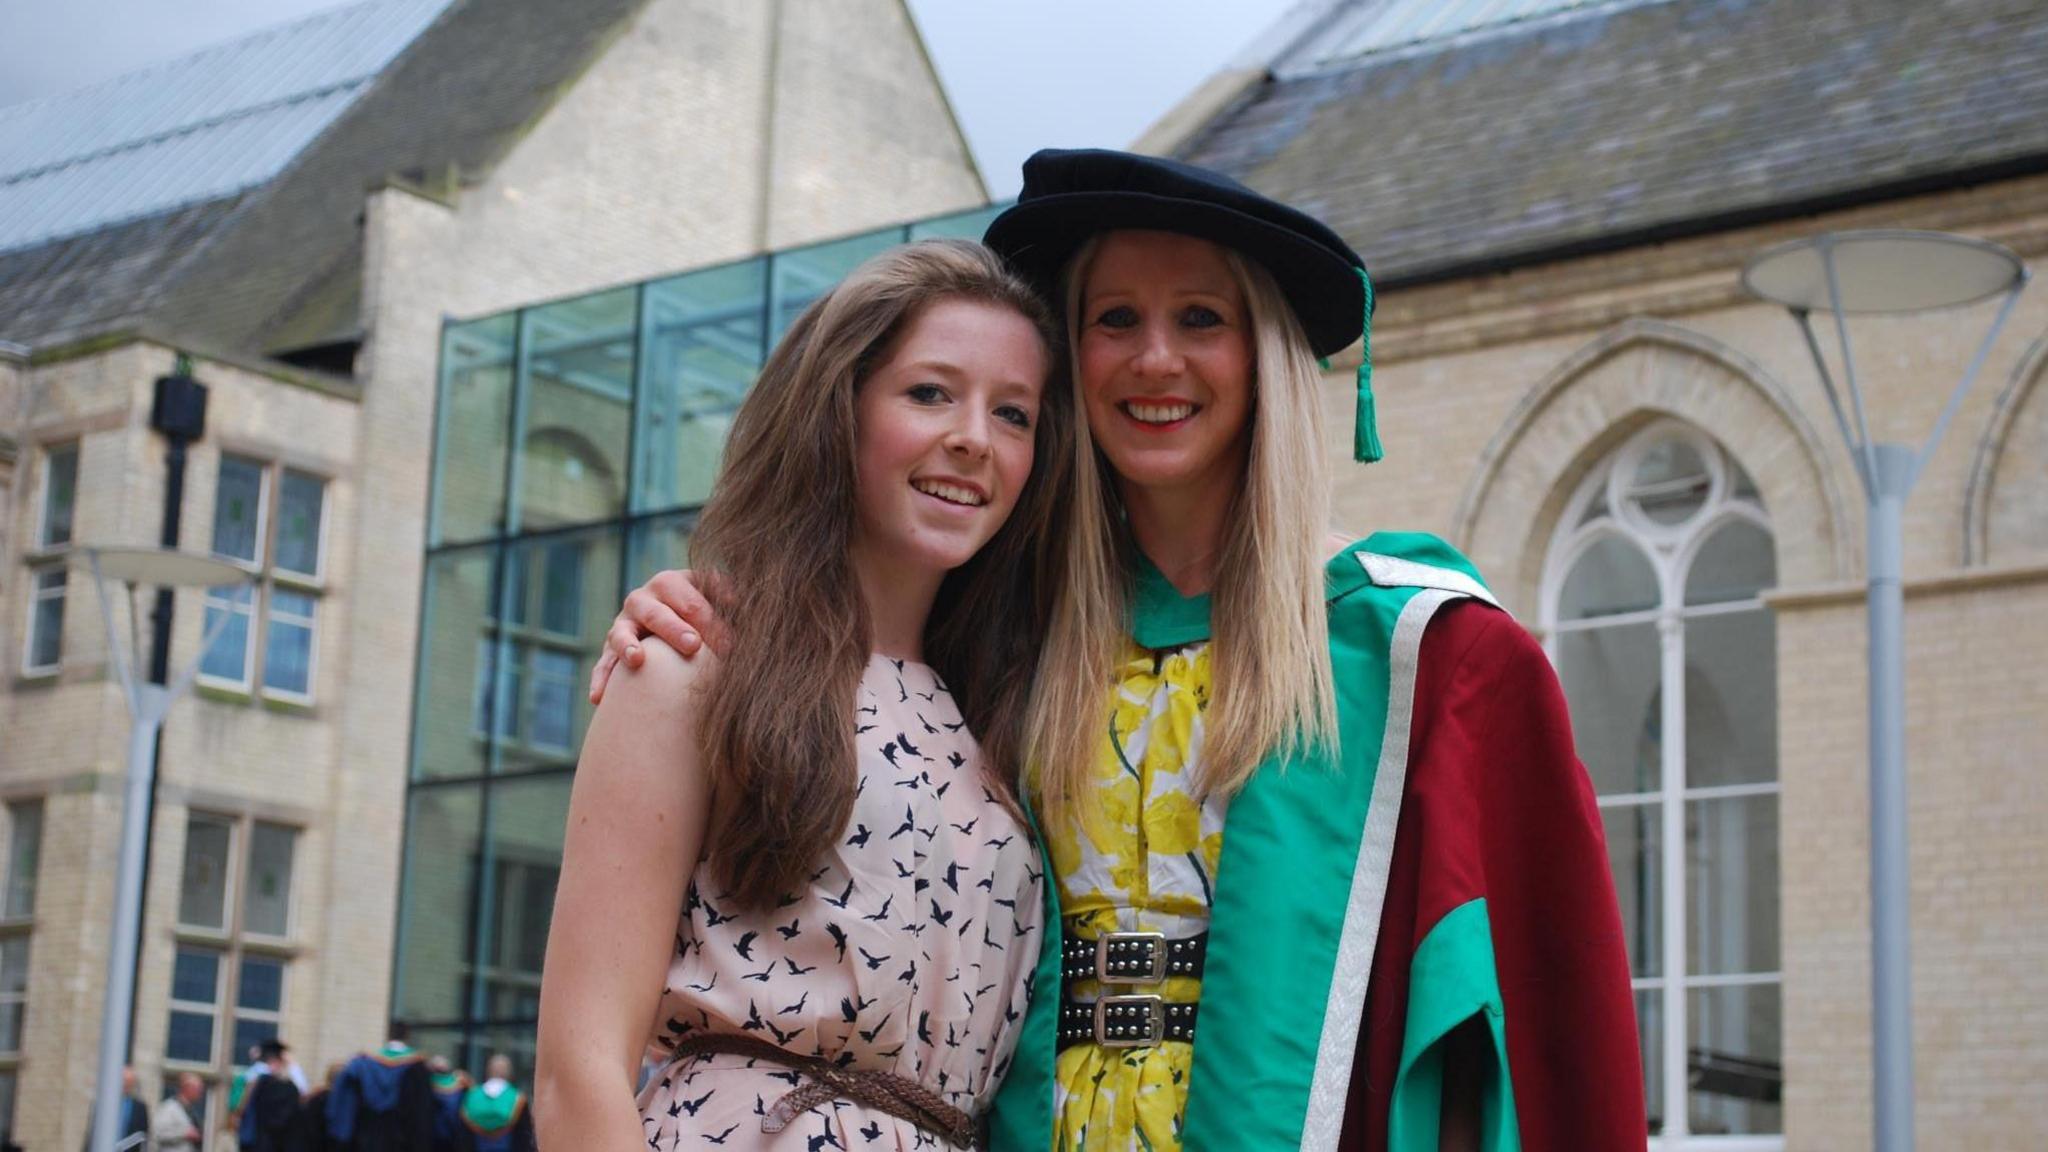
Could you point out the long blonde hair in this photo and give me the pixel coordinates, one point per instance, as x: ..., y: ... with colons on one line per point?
x: 1270, y: 654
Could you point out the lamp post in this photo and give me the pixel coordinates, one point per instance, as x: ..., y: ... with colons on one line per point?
x: 147, y: 704
x: 1887, y: 271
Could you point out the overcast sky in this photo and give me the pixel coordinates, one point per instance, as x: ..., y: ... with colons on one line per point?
x: 1022, y: 74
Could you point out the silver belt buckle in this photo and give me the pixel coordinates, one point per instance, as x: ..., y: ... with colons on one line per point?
x: 1130, y: 1035
x: 1117, y: 947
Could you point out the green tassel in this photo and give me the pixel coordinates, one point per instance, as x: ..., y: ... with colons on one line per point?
x: 1366, y: 435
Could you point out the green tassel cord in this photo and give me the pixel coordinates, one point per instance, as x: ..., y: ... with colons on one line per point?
x: 1366, y: 435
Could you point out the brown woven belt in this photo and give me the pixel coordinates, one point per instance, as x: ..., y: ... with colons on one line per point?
x: 899, y: 1096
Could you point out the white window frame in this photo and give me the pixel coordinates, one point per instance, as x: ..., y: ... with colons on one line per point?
x: 36, y: 595
x: 46, y: 489
x: 1670, y: 550
x: 269, y: 576
x: 234, y: 941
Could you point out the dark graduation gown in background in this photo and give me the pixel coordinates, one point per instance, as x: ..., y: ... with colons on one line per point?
x: 270, y: 1112
x: 383, y: 1101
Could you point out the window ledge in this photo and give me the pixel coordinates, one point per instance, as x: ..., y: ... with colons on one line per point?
x: 298, y: 581
x: 39, y: 678
x: 44, y: 555
x: 289, y: 705
x: 222, y: 693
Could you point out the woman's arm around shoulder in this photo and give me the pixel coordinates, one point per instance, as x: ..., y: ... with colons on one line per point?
x: 635, y: 832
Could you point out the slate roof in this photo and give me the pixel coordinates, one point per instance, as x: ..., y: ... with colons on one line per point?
x: 277, y: 266
x: 1614, y: 127
x: 198, y: 128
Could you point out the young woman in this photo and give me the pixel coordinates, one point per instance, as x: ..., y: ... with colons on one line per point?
x: 859, y: 896
x: 1334, y: 817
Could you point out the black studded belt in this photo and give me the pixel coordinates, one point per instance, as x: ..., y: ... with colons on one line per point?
x: 1135, y: 1020
x: 1132, y: 957
x: 1125, y: 1022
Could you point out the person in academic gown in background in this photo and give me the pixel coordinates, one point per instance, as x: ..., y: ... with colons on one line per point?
x: 493, y: 1116
x: 383, y: 1101
x: 272, y: 1104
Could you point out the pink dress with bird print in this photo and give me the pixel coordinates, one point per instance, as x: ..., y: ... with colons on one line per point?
x: 910, y: 950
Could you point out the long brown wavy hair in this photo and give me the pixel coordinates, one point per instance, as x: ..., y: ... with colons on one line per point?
x: 773, y: 545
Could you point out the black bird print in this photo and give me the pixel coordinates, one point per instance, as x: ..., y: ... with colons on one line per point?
x: 754, y: 1022
x: 928, y: 729
x: 872, y: 1132
x: 907, y: 746
x: 1002, y: 903
x: 691, y: 1106
x: 745, y: 945
x: 954, y: 727
x: 712, y: 918
x: 987, y: 883
x: 889, y: 754
x: 797, y: 1007
x: 868, y: 1035
x: 924, y: 1028
x: 840, y: 900
x: 824, y: 1141
x: 847, y: 1011
x: 859, y: 839
x: 720, y: 1138
x: 796, y: 971
x: 967, y: 829
x: 920, y: 885
x: 958, y: 760
x: 952, y: 1041
x: 782, y: 1037
x: 953, y: 876
x: 838, y: 936
x: 909, y: 976
x: 999, y: 845
x: 988, y: 941
x: 965, y: 925
x: 706, y: 987
x: 909, y: 822
x: 763, y: 974
x: 863, y: 729
x: 939, y: 915
x: 941, y: 793
x: 902, y: 873
x: 884, y: 913
x: 791, y: 932
x: 874, y: 962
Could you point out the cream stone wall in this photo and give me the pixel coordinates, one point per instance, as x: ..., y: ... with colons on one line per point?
x: 1495, y: 396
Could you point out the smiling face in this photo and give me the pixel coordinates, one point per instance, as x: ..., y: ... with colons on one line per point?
x: 1164, y: 347
x: 944, y: 434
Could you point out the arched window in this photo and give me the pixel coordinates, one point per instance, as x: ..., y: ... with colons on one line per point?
x: 1668, y: 657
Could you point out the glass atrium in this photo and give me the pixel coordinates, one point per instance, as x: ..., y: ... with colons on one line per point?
x: 575, y: 442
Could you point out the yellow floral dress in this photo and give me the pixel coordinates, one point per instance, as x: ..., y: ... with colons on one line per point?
x: 1141, y: 859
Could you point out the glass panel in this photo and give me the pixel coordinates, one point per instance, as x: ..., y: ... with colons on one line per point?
x: 702, y: 355
x: 24, y: 857
x: 473, y: 422
x: 574, y: 585
x: 7, y: 1086
x: 1610, y: 678
x: 13, y: 990
x: 262, y: 986
x: 515, y: 1041
x: 1650, y: 1028
x: 964, y: 225
x: 801, y: 275
x: 195, y: 976
x: 443, y: 831
x: 228, y: 657
x: 1735, y: 1062
x: 1635, y: 848
x: 1671, y: 482
x: 527, y: 818
x: 60, y: 494
x: 1611, y: 576
x: 46, y: 632
x: 203, y: 895
x: 579, y: 388
x: 250, y: 1033
x: 458, y: 645
x: 267, y: 905
x: 1731, y: 885
x: 1731, y: 699
x: 237, y: 509
x: 658, y: 545
x: 288, y: 643
x: 190, y: 1037
x: 1737, y: 562
x: 452, y: 1043
x: 300, y: 498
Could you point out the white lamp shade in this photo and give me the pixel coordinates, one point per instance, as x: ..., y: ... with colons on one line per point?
x: 1883, y: 270
x: 164, y: 567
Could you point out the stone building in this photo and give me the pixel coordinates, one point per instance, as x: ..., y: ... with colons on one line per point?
x: 1557, y: 199
x: 299, y: 211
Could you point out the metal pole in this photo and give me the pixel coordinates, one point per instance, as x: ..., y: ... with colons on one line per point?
x: 1891, y: 960
x: 151, y: 702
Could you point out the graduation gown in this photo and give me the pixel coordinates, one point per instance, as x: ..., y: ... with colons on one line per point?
x: 269, y: 1111
x: 487, y: 1123
x: 1445, y: 867
x: 383, y: 1101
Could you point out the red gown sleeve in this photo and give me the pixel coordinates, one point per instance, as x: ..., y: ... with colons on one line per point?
x: 1498, y: 806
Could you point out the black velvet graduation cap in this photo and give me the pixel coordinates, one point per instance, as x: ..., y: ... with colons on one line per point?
x: 1071, y: 195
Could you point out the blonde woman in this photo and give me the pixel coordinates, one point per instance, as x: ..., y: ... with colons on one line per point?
x: 1333, y: 824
